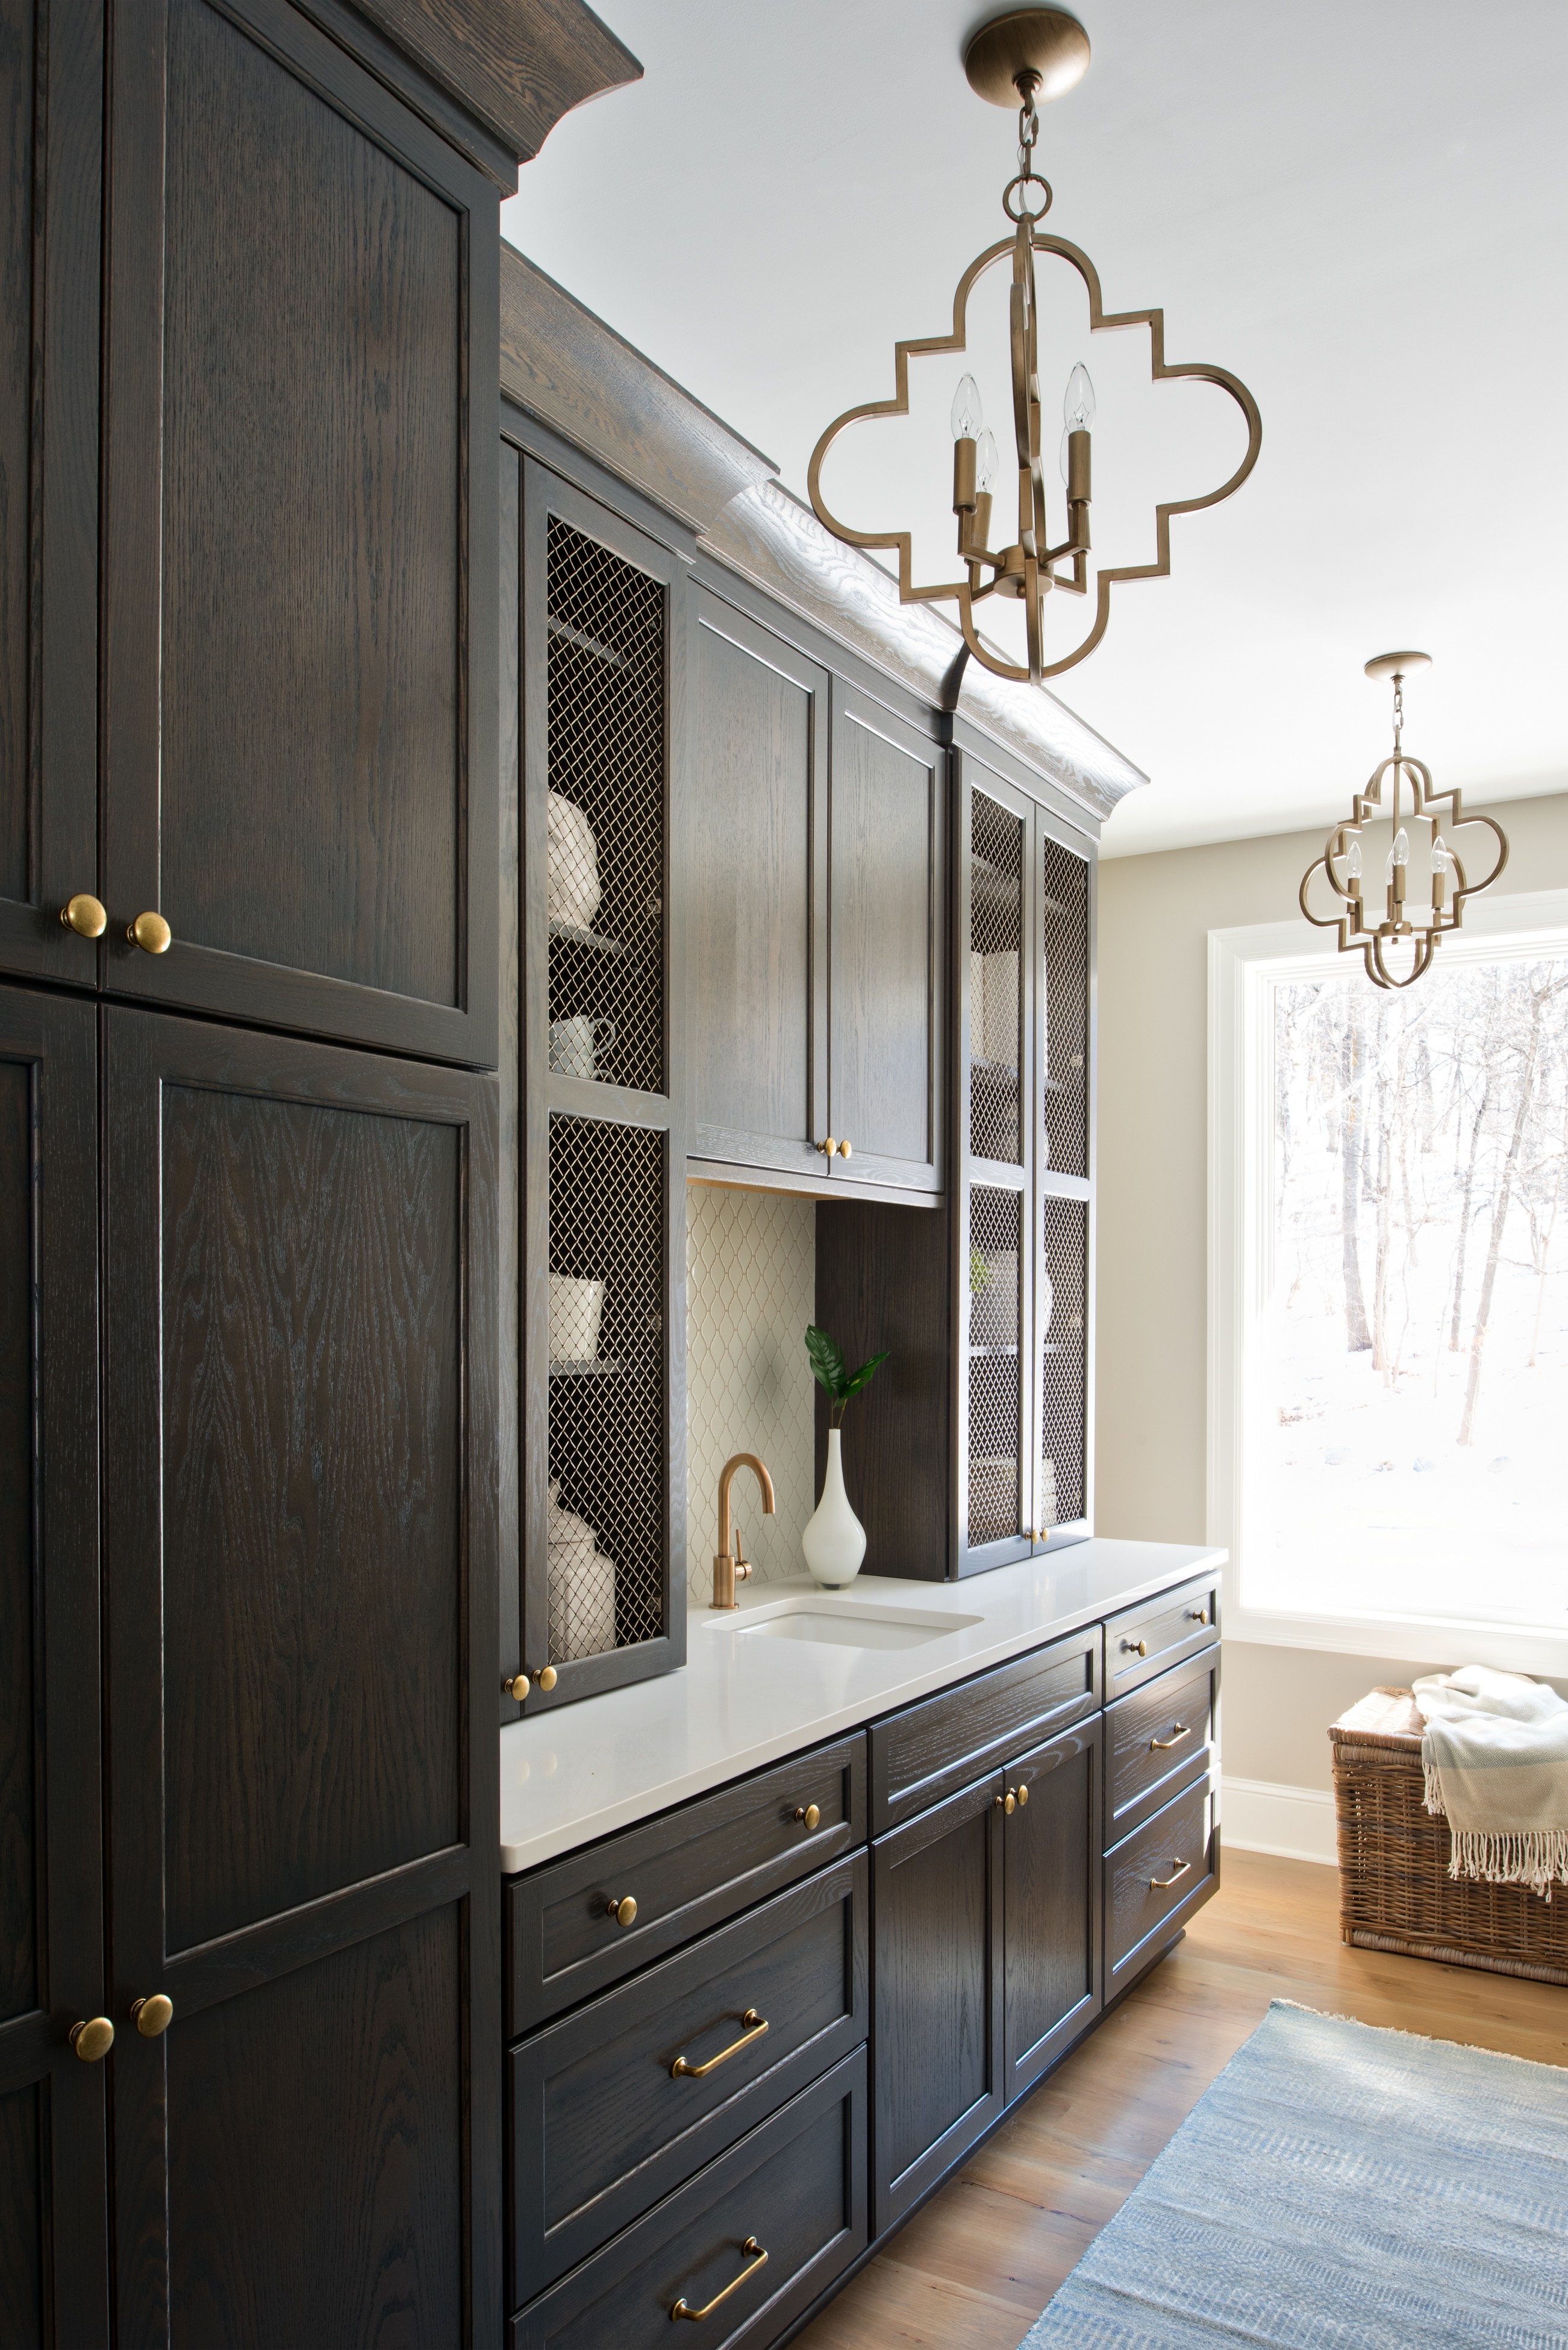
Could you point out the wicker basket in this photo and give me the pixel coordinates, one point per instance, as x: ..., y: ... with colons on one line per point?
x: 1395, y: 1890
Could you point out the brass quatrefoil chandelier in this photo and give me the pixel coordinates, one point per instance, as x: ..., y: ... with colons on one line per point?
x: 1020, y: 59
x: 1401, y: 930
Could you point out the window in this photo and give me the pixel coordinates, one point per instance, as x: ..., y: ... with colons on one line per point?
x: 1389, y: 1332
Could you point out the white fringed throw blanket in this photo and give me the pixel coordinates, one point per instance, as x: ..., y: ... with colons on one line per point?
x: 1495, y: 1757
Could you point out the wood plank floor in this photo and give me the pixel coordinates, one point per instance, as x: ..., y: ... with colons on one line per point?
x: 974, y: 2269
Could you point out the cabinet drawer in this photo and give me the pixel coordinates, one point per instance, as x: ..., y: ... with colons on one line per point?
x: 1163, y: 1871
x: 794, y: 2187
x: 686, y: 1870
x: 1156, y: 1739
x: 933, y: 1749
x: 601, y: 2126
x: 1158, y: 1633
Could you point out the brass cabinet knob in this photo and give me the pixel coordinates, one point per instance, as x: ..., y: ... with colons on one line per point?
x: 1135, y: 1648
x: 152, y: 2016
x: 517, y: 1685
x: 1023, y: 1797
x: 1197, y: 1615
x: 1007, y: 1802
x: 809, y: 1817
x: 95, y: 2038
x: 624, y: 1912
x: 847, y: 1151
x: 828, y: 1148
x: 151, y: 933
x: 84, y: 915
x: 545, y: 1678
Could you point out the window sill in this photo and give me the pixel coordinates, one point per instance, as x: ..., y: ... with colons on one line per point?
x: 1438, y: 1644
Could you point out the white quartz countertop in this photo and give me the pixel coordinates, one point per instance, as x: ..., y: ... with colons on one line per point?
x: 578, y: 1772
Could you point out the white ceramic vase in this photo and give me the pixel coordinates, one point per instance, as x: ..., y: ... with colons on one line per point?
x: 834, y: 1540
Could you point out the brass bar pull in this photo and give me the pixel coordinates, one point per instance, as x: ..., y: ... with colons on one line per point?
x: 1158, y: 1884
x: 681, y: 2071
x: 1135, y: 1648
x: 1163, y: 1745
x: 756, y: 2259
x: 93, y: 2039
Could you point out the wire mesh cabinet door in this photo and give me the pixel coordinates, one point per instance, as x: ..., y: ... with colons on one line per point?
x: 995, y: 1262
x: 602, y: 1294
x: 1064, y: 1186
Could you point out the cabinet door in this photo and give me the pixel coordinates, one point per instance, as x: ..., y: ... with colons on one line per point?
x: 1052, y: 1941
x: 299, y: 748
x: 755, y: 859
x: 51, y: 104
x: 54, y: 2275
x: 887, y: 854
x: 299, y: 1536
x: 937, y: 1913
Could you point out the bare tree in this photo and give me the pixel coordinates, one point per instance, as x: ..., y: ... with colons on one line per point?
x: 1540, y: 996
x: 1358, y: 1337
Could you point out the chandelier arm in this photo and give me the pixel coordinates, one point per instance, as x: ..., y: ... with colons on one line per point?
x: 1383, y: 977
x: 986, y: 660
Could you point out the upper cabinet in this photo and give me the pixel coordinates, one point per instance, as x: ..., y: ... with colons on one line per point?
x: 816, y: 880
x: 51, y: 105
x: 300, y: 560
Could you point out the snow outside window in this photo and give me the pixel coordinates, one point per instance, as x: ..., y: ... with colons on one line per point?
x: 1397, y: 1323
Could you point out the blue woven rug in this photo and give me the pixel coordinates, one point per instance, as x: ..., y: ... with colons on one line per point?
x: 1341, y: 2186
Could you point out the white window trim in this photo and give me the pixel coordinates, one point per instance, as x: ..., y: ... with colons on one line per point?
x: 1239, y: 962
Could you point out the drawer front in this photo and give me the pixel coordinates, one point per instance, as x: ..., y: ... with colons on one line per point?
x: 1163, y: 1872
x: 1147, y: 1639
x: 601, y: 2124
x: 794, y: 2187
x: 687, y: 1870
x: 1156, y: 1739
x: 931, y: 1750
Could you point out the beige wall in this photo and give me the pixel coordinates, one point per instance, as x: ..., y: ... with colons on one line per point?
x: 1156, y: 913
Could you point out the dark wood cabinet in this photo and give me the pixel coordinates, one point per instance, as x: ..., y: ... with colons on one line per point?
x: 815, y: 901
x: 300, y: 1554
x: 54, y: 2271
x: 299, y: 713
x: 937, y: 1992
x: 51, y: 105
x: 1052, y: 1935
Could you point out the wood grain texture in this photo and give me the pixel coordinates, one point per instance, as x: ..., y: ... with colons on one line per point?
x: 937, y: 2002
x: 19, y: 158
x: 24, y: 2214
x: 312, y: 532
x: 759, y: 717
x: 1144, y: 1880
x: 508, y: 967
x: 929, y: 1749
x: 797, y: 2183
x: 518, y: 65
x: 974, y: 2269
x: 886, y: 952
x: 1177, y: 1626
x: 316, y: 2153
x: 575, y: 374
x: 687, y: 1870
x: 1178, y: 1708
x: 21, y: 1730
x: 1052, y: 1986
x: 601, y: 2129
x: 312, y: 1397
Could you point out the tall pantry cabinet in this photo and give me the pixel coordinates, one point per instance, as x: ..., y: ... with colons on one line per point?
x: 249, y: 1993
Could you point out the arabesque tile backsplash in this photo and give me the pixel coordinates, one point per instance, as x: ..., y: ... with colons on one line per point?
x: 750, y: 1264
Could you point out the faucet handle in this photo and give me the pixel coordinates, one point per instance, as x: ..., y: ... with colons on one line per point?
x: 743, y: 1564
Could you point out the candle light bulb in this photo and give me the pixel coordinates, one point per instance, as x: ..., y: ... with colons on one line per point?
x: 1078, y: 403
x: 1399, y: 853
x: 1353, y: 861
x: 967, y: 416
x: 1442, y: 856
x: 985, y: 461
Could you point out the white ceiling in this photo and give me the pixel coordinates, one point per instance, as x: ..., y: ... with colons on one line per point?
x: 1359, y: 208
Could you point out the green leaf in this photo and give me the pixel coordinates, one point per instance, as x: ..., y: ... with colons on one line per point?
x: 826, y: 1362
x: 866, y: 1372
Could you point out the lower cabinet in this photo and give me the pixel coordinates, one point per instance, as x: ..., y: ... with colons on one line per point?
x: 1051, y: 1943
x: 1155, y: 1880
x: 746, y: 2247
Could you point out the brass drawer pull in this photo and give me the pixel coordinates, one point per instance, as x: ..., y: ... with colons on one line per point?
x: 624, y: 1912
x: 809, y: 1816
x: 1014, y: 1800
x: 756, y: 2259
x: 681, y: 2071
x: 1163, y: 1745
x: 1158, y: 1884
x: 829, y: 1150
x: 847, y: 1151
x: 1197, y: 1615
x: 85, y: 915
x: 151, y: 933
x: 1135, y: 1648
x: 517, y: 1685
x: 93, y: 2039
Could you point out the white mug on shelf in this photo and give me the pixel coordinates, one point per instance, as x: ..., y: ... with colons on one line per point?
x: 575, y: 1307
x: 576, y: 1044
x: 571, y: 864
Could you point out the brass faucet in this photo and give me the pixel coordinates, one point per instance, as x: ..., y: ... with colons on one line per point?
x: 730, y: 1568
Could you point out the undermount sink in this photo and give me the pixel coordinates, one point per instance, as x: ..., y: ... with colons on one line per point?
x: 839, y: 1623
